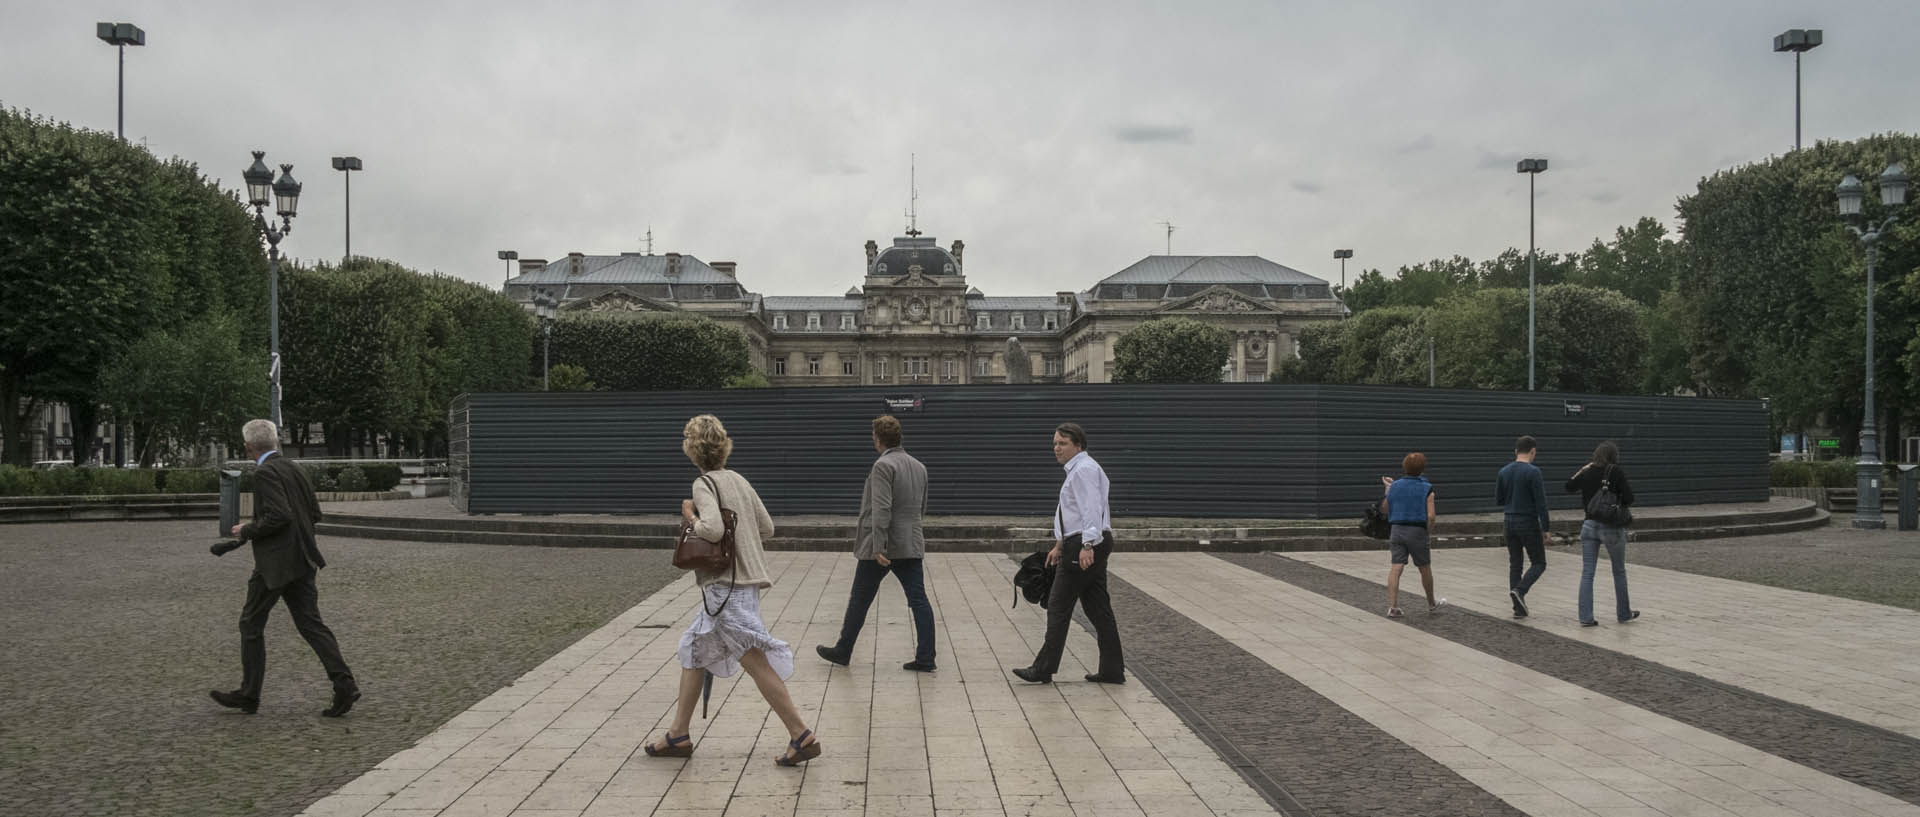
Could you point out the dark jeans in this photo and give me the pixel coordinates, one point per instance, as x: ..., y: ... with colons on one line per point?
x: 303, y: 603
x: 866, y: 585
x: 1524, y: 538
x: 1089, y: 588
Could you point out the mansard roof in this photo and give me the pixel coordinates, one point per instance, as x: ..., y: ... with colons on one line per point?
x: 625, y: 268
x: 1208, y: 269
x: 810, y: 303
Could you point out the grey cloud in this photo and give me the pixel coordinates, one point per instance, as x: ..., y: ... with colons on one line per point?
x: 1423, y: 143
x: 1147, y: 134
x: 1307, y: 187
x: 1604, y: 197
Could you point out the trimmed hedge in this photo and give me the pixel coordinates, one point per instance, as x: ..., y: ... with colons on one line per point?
x: 1817, y: 474
x: 88, y: 481
x: 382, y: 477
x: 351, y: 479
x: 1790, y: 474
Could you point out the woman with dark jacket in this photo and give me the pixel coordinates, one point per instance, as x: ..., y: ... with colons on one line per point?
x: 1603, y: 470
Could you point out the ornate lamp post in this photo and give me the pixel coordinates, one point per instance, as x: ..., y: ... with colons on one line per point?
x: 1893, y: 194
x: 545, y: 306
x: 286, y: 192
x: 1531, y: 167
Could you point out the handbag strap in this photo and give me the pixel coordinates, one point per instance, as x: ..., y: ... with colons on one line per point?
x: 733, y: 559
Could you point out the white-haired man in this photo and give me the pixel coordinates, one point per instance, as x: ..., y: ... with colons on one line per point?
x: 285, y: 562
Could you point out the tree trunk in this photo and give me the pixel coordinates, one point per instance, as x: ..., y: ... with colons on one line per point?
x: 148, y: 446
x: 86, y: 422
x: 15, y: 414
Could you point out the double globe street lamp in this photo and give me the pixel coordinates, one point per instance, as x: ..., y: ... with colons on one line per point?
x: 545, y: 307
x: 286, y: 193
x: 1893, y: 194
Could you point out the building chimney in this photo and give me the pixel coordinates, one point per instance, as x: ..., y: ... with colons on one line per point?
x: 673, y: 265
x: 532, y: 265
x: 959, y: 247
x: 724, y: 268
x: 576, y: 263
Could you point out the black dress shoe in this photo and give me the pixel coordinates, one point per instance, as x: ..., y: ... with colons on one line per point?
x: 833, y: 656
x: 918, y: 666
x: 235, y: 700
x: 343, y: 700
x: 1102, y: 679
x: 1027, y: 674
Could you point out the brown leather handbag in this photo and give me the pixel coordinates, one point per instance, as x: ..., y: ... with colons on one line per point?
x: 694, y: 553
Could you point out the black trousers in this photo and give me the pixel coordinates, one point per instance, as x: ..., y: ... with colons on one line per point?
x: 303, y: 603
x: 1524, y: 538
x: 866, y: 585
x: 1089, y: 588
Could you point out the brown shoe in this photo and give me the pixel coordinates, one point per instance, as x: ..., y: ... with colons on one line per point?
x: 676, y: 747
x: 800, y: 750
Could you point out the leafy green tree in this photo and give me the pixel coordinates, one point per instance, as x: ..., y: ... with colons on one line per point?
x: 1590, y: 340
x: 1508, y: 270
x: 750, y: 379
x: 645, y: 353
x: 1370, y: 290
x: 1364, y: 343
x: 568, y: 377
x: 1480, y: 339
x: 1425, y: 283
x: 1640, y: 262
x: 1171, y: 350
x: 187, y: 387
x: 1320, y: 347
x: 1776, y: 285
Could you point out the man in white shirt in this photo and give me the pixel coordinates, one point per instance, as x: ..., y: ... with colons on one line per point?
x: 1082, y: 540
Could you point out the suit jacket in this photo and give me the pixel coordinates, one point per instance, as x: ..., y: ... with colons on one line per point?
x: 284, y: 513
x: 892, y: 508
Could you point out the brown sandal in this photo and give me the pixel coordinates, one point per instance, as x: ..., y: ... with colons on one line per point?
x: 801, y: 753
x: 676, y: 747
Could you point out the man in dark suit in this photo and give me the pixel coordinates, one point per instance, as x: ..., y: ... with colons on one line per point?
x: 285, y: 561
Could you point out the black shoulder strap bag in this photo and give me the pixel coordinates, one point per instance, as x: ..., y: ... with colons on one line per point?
x: 1605, y: 507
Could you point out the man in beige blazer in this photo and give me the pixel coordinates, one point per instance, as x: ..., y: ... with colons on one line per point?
x: 889, y: 540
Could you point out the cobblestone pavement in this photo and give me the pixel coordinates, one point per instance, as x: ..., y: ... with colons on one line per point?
x: 1880, y: 566
x: 1837, y: 656
x: 1542, y: 744
x: 115, y: 631
x: 966, y: 740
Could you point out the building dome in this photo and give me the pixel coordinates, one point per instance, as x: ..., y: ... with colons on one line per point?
x: 908, y: 252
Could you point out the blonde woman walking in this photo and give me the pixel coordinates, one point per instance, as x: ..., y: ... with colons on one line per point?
x: 727, y: 633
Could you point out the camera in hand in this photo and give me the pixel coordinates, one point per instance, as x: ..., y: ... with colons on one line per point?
x: 225, y: 546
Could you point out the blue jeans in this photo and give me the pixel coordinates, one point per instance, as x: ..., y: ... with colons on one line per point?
x: 1592, y: 536
x: 866, y: 585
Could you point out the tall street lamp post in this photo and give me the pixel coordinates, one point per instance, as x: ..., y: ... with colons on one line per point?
x: 545, y: 306
x: 286, y: 192
x: 1893, y: 194
x: 121, y: 35
x: 346, y: 165
x: 1531, y: 167
x: 508, y: 256
x: 1343, y: 255
x: 1799, y: 41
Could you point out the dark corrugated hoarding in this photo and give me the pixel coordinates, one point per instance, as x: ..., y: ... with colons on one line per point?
x: 1225, y: 451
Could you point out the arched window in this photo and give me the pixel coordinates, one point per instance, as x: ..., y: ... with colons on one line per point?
x: 707, y: 292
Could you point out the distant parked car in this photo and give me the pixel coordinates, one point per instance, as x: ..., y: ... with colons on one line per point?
x: 46, y: 464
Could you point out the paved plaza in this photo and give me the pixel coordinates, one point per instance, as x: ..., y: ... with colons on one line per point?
x: 523, y: 681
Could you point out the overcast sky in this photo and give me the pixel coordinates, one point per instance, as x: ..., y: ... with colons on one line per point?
x: 1052, y: 137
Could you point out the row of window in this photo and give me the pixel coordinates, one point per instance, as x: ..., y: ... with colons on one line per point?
x: 914, y: 366
x: 983, y: 320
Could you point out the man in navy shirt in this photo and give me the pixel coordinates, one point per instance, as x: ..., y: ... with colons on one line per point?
x: 1522, y: 492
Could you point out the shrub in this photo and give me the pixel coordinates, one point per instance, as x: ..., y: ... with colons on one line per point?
x: 64, y: 481
x: 1790, y: 474
x: 381, y: 476
x: 119, y: 481
x: 321, y: 478
x: 1834, y: 473
x: 192, y: 481
x: 17, y: 481
x: 351, y: 479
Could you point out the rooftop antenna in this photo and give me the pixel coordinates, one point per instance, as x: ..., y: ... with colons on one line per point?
x: 649, y: 239
x: 1170, y: 229
x: 913, y: 196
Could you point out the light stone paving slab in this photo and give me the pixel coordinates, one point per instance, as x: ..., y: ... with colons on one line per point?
x: 1846, y: 657
x: 565, y: 738
x: 1544, y: 746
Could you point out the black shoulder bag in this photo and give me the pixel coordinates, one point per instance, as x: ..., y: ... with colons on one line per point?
x: 1605, y: 507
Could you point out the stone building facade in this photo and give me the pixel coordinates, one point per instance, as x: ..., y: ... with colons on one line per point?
x: 914, y: 320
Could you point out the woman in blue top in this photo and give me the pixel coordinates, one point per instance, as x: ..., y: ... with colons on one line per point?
x: 1409, y: 508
